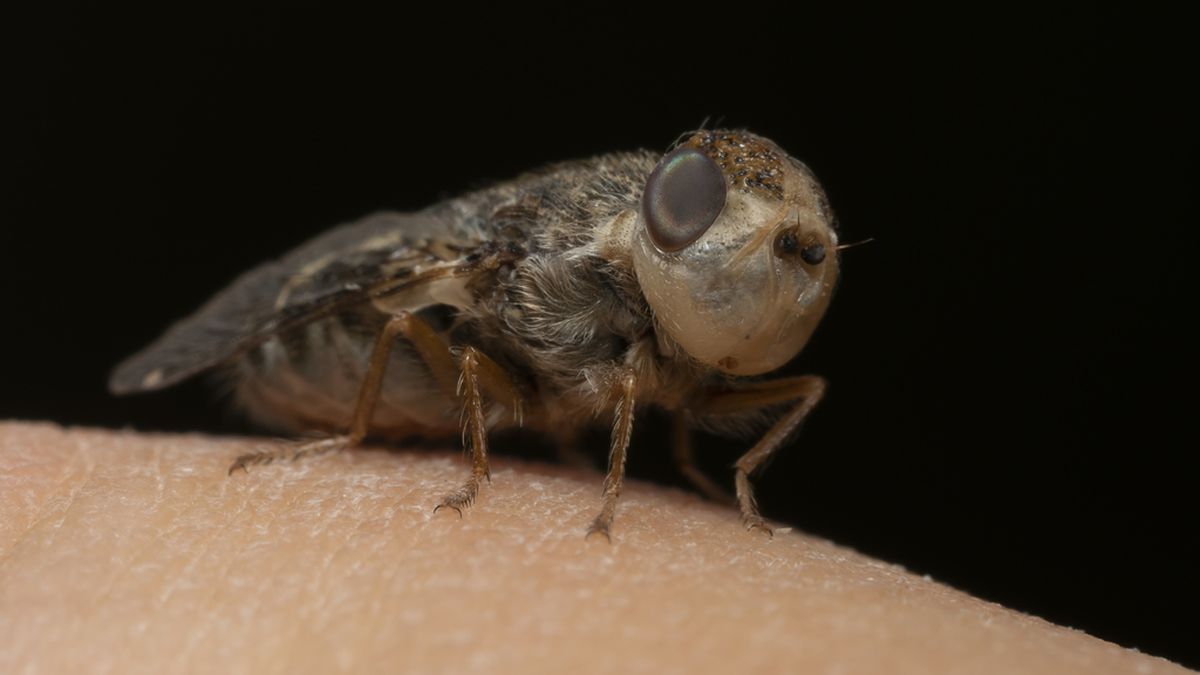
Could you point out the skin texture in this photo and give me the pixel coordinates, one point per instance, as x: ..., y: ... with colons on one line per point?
x: 128, y: 552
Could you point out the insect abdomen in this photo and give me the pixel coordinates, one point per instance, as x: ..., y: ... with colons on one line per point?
x: 308, y: 380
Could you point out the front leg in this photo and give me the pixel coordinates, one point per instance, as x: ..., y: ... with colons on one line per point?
x: 807, y: 390
x: 625, y: 397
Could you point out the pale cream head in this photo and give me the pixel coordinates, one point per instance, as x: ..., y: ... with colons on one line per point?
x: 739, y: 280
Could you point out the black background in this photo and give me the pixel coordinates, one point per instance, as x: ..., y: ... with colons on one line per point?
x: 1011, y: 380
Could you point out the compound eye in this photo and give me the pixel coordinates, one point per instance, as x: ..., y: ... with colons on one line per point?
x: 684, y: 195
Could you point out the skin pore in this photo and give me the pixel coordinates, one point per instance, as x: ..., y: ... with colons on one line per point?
x: 128, y: 552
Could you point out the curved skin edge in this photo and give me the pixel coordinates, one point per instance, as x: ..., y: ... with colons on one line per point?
x: 130, y: 552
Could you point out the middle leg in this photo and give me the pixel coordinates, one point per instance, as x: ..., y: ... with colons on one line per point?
x: 625, y: 392
x: 479, y: 374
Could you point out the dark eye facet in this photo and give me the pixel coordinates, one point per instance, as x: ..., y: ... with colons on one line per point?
x: 684, y: 195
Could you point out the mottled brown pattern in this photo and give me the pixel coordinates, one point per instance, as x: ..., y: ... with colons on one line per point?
x: 750, y: 162
x: 545, y: 278
x: 525, y: 209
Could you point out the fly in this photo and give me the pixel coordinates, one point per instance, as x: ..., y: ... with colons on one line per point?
x: 584, y: 291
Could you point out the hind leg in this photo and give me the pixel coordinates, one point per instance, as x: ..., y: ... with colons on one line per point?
x: 433, y: 351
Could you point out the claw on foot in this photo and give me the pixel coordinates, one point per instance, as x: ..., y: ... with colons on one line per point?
x: 243, y: 462
x: 445, y: 503
x: 597, y: 530
x: 458, y: 500
x: 600, y: 526
x: 465, y: 495
x: 756, y: 523
x: 290, y: 451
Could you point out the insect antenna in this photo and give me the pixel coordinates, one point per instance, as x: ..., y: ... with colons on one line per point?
x: 842, y: 247
x: 679, y: 139
x: 715, y: 122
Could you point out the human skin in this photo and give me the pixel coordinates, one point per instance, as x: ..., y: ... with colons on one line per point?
x: 127, y: 552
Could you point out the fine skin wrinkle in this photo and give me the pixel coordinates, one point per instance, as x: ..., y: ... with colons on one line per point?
x: 123, y: 552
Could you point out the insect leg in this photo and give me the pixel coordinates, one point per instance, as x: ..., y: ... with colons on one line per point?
x: 479, y: 374
x: 626, y: 395
x: 807, y: 389
x: 432, y: 349
x: 288, y: 450
x: 685, y: 459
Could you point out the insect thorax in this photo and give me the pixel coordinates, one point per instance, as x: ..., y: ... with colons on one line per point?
x: 555, y: 310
